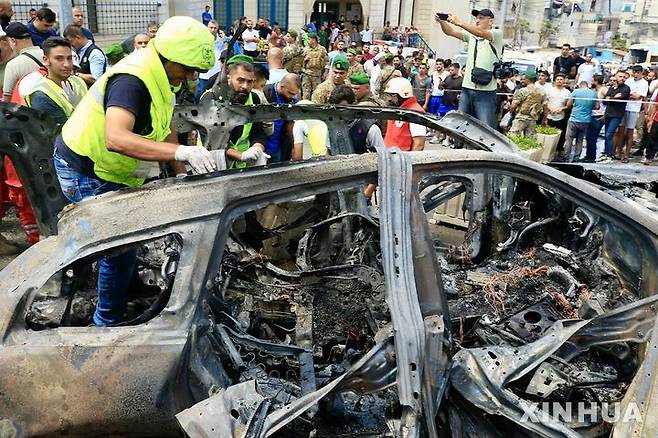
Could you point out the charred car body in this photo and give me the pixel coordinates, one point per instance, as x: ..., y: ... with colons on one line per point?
x: 274, y: 302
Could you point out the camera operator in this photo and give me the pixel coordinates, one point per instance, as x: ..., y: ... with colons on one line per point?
x: 478, y: 96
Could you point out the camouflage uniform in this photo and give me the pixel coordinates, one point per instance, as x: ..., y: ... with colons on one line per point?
x: 323, y: 91
x: 354, y: 68
x: 313, y: 68
x: 293, y: 58
x: 369, y: 100
x: 529, y: 103
x: 388, y: 72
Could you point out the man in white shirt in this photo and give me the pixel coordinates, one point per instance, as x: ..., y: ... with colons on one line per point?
x: 376, y: 72
x: 250, y: 37
x: 366, y: 35
x: 639, y: 90
x: 220, y: 40
x: 555, y: 108
x: 587, y: 70
x: 275, y: 65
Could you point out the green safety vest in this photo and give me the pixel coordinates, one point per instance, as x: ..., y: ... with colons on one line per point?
x: 84, y: 132
x: 243, y: 142
x: 67, y: 101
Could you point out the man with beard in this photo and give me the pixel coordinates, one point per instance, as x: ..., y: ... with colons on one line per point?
x: 285, y: 91
x: 398, y: 63
x: 246, y: 143
x: 404, y: 135
x: 6, y: 12
x: 250, y: 37
x: 388, y: 73
x: 120, y: 132
x: 337, y: 77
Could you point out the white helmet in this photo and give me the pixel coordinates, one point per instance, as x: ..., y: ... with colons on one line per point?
x: 401, y: 87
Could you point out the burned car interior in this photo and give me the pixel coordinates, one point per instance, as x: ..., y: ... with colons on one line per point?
x: 472, y: 293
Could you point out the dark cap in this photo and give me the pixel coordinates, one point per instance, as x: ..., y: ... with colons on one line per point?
x: 17, y: 30
x: 637, y: 68
x: 483, y: 12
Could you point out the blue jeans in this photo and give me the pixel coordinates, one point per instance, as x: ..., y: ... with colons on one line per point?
x: 114, y: 273
x: 592, y: 137
x: 480, y: 104
x: 611, y: 125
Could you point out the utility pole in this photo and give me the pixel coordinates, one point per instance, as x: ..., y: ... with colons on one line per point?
x: 65, y: 16
x: 517, y: 17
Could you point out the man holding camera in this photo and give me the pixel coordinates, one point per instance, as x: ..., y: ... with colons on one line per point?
x: 485, y: 48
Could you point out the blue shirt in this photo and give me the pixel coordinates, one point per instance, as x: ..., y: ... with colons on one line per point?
x: 86, y: 32
x: 584, y: 100
x: 97, y: 60
x: 312, y: 27
x: 206, y: 17
x: 39, y: 37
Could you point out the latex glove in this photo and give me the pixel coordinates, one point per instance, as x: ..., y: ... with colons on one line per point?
x: 252, y: 154
x: 219, y: 155
x: 198, y: 157
x: 262, y: 160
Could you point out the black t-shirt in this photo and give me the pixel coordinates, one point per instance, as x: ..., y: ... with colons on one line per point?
x: 614, y: 108
x: 452, y: 87
x: 564, y: 65
x: 124, y: 91
x: 263, y: 32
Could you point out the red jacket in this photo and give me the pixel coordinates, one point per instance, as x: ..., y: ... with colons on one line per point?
x: 398, y: 133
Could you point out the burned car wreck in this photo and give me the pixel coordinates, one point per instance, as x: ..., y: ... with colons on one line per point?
x: 476, y: 294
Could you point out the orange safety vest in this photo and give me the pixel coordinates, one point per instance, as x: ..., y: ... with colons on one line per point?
x: 398, y: 133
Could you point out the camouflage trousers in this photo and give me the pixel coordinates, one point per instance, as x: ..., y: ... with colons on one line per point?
x: 309, y: 83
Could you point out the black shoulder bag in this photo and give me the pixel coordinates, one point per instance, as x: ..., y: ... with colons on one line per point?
x: 479, y: 75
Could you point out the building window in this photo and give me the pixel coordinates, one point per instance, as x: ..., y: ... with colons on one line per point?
x: 274, y: 10
x: 228, y: 11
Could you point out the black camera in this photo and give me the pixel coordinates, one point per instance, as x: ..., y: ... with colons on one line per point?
x: 442, y: 16
x: 503, y: 70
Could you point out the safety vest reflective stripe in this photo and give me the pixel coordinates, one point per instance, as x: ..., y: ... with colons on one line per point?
x: 84, y: 132
x: 242, y: 144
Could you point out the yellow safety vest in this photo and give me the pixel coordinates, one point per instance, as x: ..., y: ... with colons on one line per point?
x: 84, y: 132
x: 243, y: 142
x: 67, y: 99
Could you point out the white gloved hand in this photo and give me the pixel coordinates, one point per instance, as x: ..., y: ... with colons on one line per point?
x: 252, y: 154
x: 198, y: 157
x: 262, y: 160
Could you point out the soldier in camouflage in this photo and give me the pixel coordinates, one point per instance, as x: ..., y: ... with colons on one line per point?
x: 361, y: 86
x: 293, y: 55
x: 315, y: 58
x: 338, y: 76
x: 527, y: 104
x: 355, y: 67
x: 388, y: 72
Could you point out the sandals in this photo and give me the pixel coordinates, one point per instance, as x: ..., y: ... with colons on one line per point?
x: 624, y: 160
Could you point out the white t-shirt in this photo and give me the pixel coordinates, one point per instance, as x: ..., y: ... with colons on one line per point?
x: 640, y: 87
x: 374, y: 77
x: 557, y: 98
x: 253, y: 33
x: 366, y: 36
x: 587, y: 72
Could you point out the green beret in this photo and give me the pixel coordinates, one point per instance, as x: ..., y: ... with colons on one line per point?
x: 359, y: 78
x: 389, y: 56
x: 531, y: 74
x: 352, y: 52
x: 114, y: 50
x: 240, y: 58
x: 292, y: 33
x: 341, y: 63
x: 313, y: 35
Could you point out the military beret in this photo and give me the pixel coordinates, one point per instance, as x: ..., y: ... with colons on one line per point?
x: 114, y: 50
x: 352, y: 52
x: 531, y: 74
x: 359, y: 78
x: 389, y: 56
x: 240, y: 58
x: 341, y: 62
x: 313, y: 35
x: 292, y: 33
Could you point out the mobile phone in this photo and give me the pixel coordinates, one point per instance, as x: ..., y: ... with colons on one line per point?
x: 442, y: 16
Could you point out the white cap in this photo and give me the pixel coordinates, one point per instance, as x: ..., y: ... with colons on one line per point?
x: 380, y: 56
